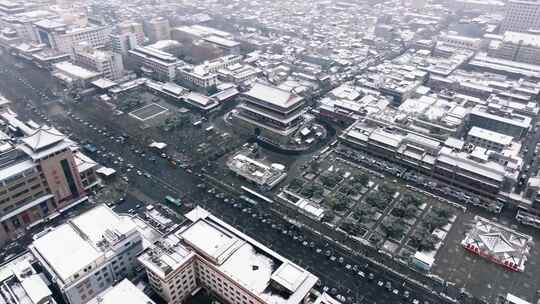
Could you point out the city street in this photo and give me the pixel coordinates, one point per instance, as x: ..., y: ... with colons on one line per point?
x: 259, y: 221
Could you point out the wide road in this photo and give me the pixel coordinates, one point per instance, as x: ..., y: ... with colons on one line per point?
x: 26, y: 86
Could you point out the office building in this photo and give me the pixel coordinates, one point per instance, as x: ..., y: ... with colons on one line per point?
x: 211, y: 254
x: 521, y: 16
x: 154, y: 63
x: 157, y: 29
x: 269, y: 112
x: 86, y: 255
x: 515, y: 46
x: 106, y: 63
x: 39, y: 177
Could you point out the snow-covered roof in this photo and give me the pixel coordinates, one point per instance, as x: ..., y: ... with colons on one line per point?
x: 123, y: 292
x: 245, y: 260
x: 43, y: 137
x: 273, y: 95
x: 71, y: 247
x: 65, y: 251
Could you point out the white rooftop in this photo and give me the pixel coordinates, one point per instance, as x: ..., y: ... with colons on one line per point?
x: 71, y: 247
x: 43, y: 137
x: 123, y: 292
x: 73, y: 70
x: 273, y: 95
x: 250, y: 263
x: 98, y: 221
x: 492, y: 136
x: 65, y: 251
x: 525, y: 39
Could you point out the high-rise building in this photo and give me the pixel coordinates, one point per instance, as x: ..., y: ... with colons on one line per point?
x: 521, y: 16
x: 130, y: 27
x: 157, y: 29
x: 108, y: 64
x: 86, y: 255
x: 40, y: 177
x: 211, y: 254
x: 123, y: 43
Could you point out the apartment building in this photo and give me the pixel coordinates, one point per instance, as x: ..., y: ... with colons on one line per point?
x: 211, y: 254
x: 269, y: 112
x: 107, y: 63
x: 521, y: 16
x: 39, y: 176
x: 88, y: 254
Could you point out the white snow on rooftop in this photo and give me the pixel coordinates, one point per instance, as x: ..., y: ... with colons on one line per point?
x: 123, y: 292
x: 273, y: 95
x: 214, y: 242
x: 96, y: 222
x: 65, y: 251
x: 43, y: 137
